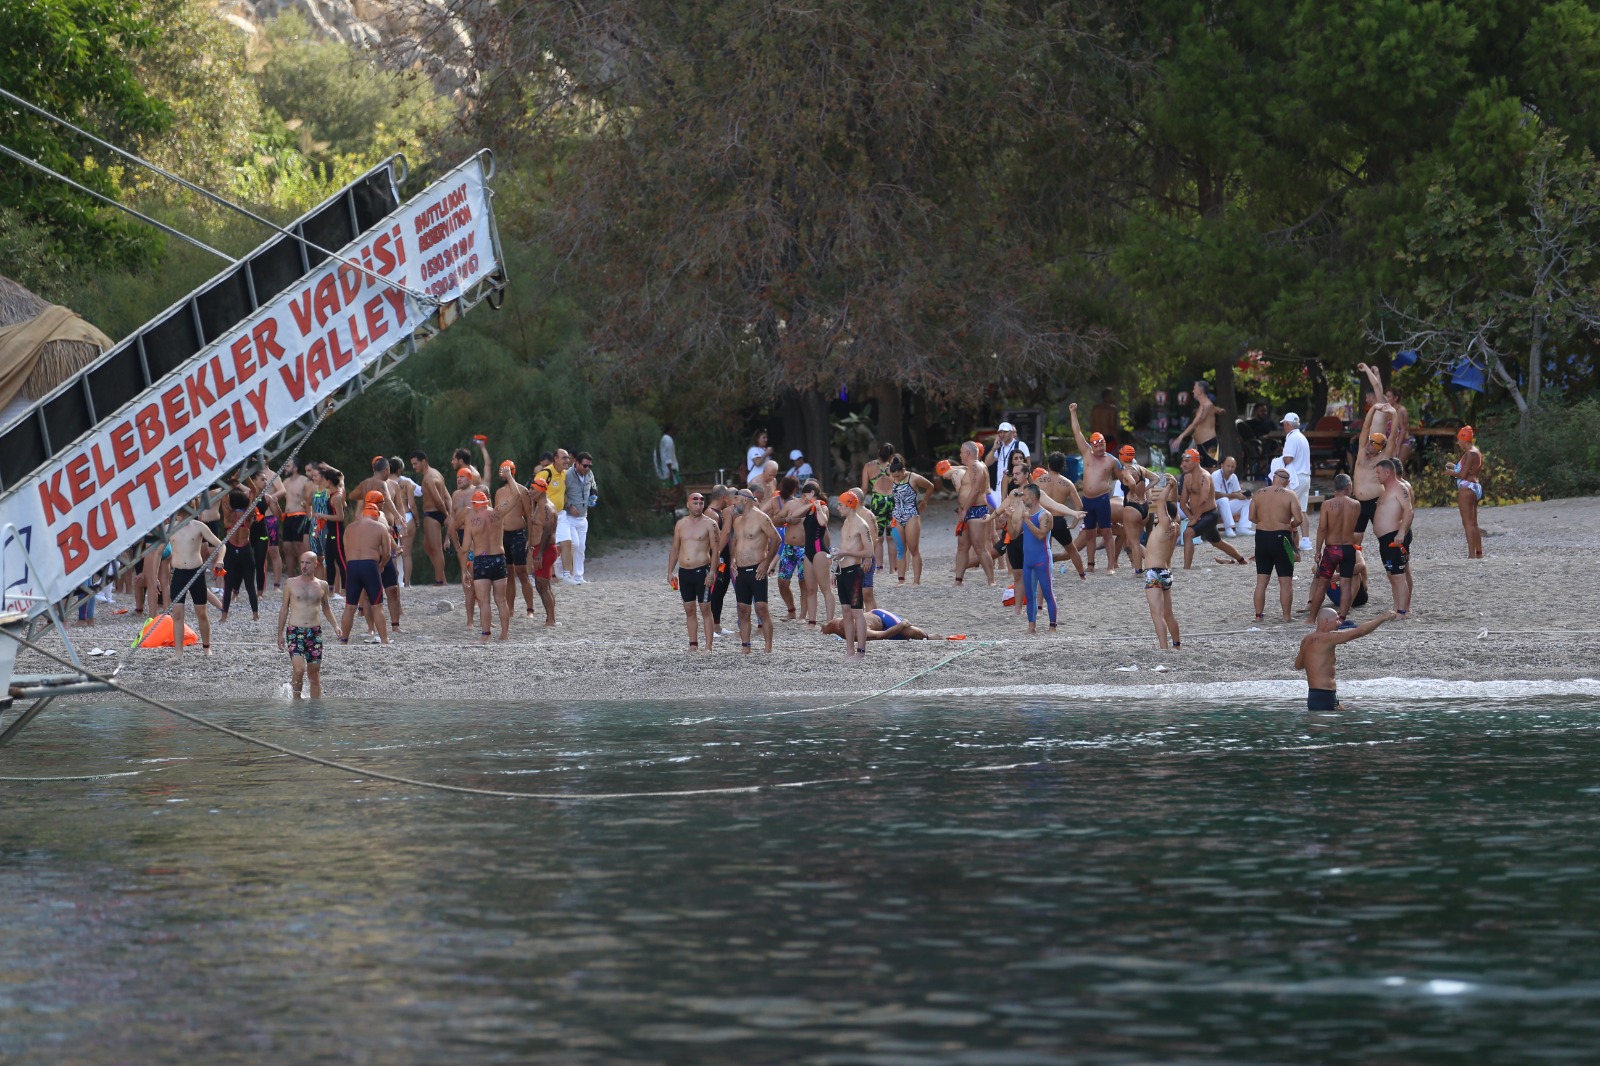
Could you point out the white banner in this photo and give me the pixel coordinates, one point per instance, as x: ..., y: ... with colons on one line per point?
x: 94, y: 500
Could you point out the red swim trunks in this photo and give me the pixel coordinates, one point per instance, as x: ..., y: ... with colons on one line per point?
x: 547, y: 561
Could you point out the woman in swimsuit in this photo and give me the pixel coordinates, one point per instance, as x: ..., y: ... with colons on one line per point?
x: 910, y: 496
x: 327, y: 509
x: 876, y: 485
x: 819, y: 563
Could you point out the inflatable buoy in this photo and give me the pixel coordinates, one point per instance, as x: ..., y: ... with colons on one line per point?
x: 157, y: 633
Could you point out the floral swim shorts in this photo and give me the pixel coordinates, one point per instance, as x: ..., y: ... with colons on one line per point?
x: 306, y: 642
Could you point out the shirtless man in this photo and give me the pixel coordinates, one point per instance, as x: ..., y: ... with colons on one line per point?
x: 755, y: 550
x: 407, y: 495
x: 790, y: 519
x: 1394, y: 513
x: 294, y: 529
x: 1469, y: 488
x: 974, y: 526
x: 192, y: 544
x: 479, y: 529
x: 1336, y: 548
x: 304, y: 605
x: 379, y: 489
x: 435, y: 512
x: 694, y: 549
x: 1376, y: 446
x: 1275, y: 512
x: 1316, y: 657
x: 1158, y: 562
x: 881, y: 625
x: 1203, y: 428
x: 1056, y: 486
x: 1199, y: 501
x: 542, y: 551
x: 1398, y: 428
x: 1135, y: 505
x: 460, y: 504
x: 853, y: 554
x: 514, y: 505
x: 368, y: 548
x: 1098, y: 471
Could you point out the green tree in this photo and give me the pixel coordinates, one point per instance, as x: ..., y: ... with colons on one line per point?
x: 72, y: 57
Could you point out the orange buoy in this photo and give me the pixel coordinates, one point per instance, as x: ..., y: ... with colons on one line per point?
x: 157, y: 633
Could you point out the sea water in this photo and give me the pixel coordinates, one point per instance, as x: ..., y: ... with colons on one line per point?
x: 970, y: 878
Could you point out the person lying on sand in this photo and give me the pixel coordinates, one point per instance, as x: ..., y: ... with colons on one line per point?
x: 881, y: 625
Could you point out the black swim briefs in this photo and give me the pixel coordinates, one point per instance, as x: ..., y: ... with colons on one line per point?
x: 1272, y: 552
x: 747, y: 588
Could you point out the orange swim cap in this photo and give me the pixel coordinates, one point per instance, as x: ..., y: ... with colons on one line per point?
x: 1192, y: 454
x: 371, y: 510
x: 1465, y: 433
x: 942, y: 467
x: 1377, y: 438
x: 374, y: 496
x: 1039, y: 473
x: 464, y: 472
x: 509, y: 465
x: 1097, y: 438
x: 979, y: 443
x: 1127, y: 453
x: 540, y: 484
x: 850, y: 499
x: 480, y: 499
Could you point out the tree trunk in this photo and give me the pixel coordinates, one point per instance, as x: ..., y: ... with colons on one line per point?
x: 814, y: 413
x: 1319, y: 395
x: 891, y: 415
x: 1524, y: 415
x: 1535, y: 360
x: 1228, y: 425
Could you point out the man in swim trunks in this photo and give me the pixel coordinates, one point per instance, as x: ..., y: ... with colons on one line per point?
x: 1376, y: 445
x: 694, y: 549
x: 853, y: 554
x: 542, y: 552
x: 514, y: 505
x: 1469, y: 488
x: 368, y: 546
x: 192, y: 544
x: 1158, y: 547
x: 1203, y: 428
x: 1199, y: 501
x: 881, y: 625
x: 789, y: 518
x: 1275, y: 512
x: 1057, y: 486
x: 974, y: 525
x: 1336, y: 549
x: 1316, y: 657
x: 294, y: 528
x: 304, y: 605
x: 479, y: 529
x: 1099, y: 469
x: 1394, y: 513
x: 1135, y: 505
x: 754, y: 549
x: 435, y: 512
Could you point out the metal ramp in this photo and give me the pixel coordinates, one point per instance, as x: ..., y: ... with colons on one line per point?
x: 243, y: 365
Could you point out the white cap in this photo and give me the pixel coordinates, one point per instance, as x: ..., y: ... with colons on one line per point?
x: 1007, y: 427
x: 796, y: 454
x: 1291, y: 418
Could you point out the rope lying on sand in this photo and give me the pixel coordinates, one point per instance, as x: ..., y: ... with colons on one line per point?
x: 439, y: 786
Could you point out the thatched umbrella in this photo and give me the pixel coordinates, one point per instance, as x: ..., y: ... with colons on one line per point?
x: 41, y: 344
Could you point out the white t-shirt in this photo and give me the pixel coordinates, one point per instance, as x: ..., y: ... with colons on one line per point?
x: 1224, y: 485
x: 1002, y: 460
x: 754, y: 460
x: 1297, y: 457
x: 666, y: 457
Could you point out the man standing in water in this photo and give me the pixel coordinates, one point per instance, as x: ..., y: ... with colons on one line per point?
x: 480, y: 534
x: 1394, y: 513
x: 1336, y: 549
x: 1158, y: 563
x: 191, y: 544
x: 305, y: 603
x: 853, y: 553
x: 694, y: 548
x: 1316, y: 657
x: 435, y: 512
x: 1098, y: 471
x: 755, y: 545
x: 1275, y: 512
x: 1469, y: 488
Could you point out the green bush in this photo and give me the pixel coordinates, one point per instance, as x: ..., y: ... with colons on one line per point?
x: 1560, y: 454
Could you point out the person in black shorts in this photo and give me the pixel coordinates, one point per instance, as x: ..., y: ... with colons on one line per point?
x: 694, y: 546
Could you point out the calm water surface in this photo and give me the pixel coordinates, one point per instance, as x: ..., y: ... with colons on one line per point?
x: 1003, y: 884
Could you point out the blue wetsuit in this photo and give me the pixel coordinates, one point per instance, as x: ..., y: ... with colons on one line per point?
x: 1036, y: 565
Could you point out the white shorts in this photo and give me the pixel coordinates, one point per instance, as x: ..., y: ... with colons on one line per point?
x: 563, y: 527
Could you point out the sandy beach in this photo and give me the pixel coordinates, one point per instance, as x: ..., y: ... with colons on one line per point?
x: 1517, y: 616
